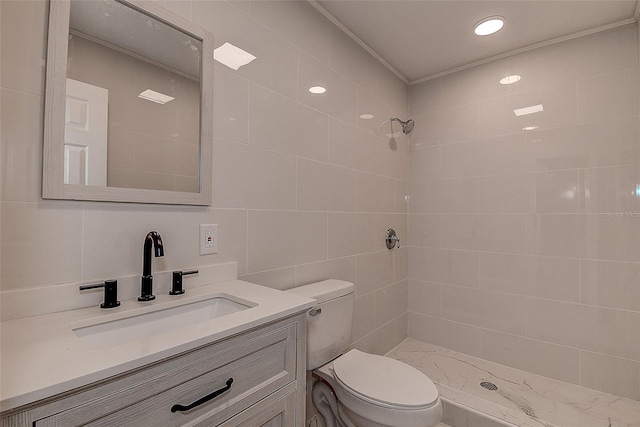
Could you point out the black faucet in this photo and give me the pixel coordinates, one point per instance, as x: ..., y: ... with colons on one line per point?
x: 153, y: 239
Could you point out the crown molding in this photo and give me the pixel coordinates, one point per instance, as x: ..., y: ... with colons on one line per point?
x: 529, y: 48
x: 357, y: 39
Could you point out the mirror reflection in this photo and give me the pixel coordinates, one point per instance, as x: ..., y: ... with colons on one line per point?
x: 132, y: 110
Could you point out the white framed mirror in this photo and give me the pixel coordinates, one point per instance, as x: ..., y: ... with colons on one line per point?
x: 128, y: 104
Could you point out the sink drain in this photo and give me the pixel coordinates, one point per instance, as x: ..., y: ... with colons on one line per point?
x: 488, y: 385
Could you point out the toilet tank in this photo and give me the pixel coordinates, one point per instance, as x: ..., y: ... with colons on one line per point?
x: 329, y: 330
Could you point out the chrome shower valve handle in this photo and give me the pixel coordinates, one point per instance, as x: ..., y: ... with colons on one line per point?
x: 391, y: 239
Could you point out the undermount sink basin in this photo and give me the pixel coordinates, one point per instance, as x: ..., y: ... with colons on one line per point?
x: 122, y: 328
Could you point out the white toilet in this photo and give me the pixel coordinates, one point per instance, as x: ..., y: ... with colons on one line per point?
x: 357, y: 389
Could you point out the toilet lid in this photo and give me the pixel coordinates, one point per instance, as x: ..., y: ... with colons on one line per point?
x: 384, y: 380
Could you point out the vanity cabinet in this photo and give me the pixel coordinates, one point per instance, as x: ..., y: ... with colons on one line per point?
x: 274, y: 412
x: 260, y: 376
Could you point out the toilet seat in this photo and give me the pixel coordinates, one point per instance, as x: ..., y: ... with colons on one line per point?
x: 384, y: 382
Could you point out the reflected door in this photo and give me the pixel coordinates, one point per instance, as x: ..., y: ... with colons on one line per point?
x: 85, y: 136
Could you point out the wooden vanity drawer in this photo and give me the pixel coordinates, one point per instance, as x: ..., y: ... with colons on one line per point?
x: 278, y: 410
x: 259, y: 365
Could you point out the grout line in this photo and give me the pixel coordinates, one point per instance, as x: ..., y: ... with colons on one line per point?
x: 530, y: 297
x: 82, y: 237
x: 246, y: 249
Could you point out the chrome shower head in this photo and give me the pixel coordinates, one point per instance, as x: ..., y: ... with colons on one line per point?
x: 407, y: 126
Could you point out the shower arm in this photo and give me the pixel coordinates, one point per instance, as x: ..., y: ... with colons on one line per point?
x: 394, y: 119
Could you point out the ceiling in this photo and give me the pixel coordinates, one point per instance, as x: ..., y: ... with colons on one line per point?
x: 425, y: 38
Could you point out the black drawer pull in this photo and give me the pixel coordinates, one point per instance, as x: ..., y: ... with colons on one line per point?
x: 208, y: 397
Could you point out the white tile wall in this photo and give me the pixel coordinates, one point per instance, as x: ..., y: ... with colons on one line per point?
x: 21, y: 148
x: 231, y: 108
x: 610, y: 284
x: 22, y: 69
x: 340, y: 100
x: 299, y: 180
x: 242, y: 166
x: 538, y: 357
x: 544, y: 224
x: 324, y: 187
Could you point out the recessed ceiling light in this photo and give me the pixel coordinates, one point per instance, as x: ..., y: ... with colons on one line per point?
x: 232, y: 56
x: 317, y: 90
x: 528, y: 110
x: 367, y: 116
x: 510, y: 79
x: 489, y: 25
x: 530, y: 128
x: 151, y: 95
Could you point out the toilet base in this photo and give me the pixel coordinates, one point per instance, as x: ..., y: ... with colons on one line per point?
x: 358, y: 421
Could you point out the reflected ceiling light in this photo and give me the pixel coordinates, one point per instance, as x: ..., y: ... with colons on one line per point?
x: 367, y: 116
x: 489, y: 25
x: 232, y: 56
x: 510, y: 79
x: 638, y: 190
x: 529, y: 128
x: 317, y: 90
x: 569, y: 194
x: 152, y: 95
x: 528, y: 110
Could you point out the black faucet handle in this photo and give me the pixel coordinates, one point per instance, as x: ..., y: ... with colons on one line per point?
x: 110, y: 292
x: 176, y: 282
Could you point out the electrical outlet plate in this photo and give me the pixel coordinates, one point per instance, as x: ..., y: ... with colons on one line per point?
x: 208, y: 239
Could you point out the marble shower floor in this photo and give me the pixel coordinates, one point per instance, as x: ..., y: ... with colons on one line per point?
x: 522, y: 399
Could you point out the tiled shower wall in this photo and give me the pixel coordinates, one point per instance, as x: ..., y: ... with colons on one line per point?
x: 302, y: 190
x: 524, y: 243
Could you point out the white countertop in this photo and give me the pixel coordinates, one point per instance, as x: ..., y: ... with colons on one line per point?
x: 41, y: 356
